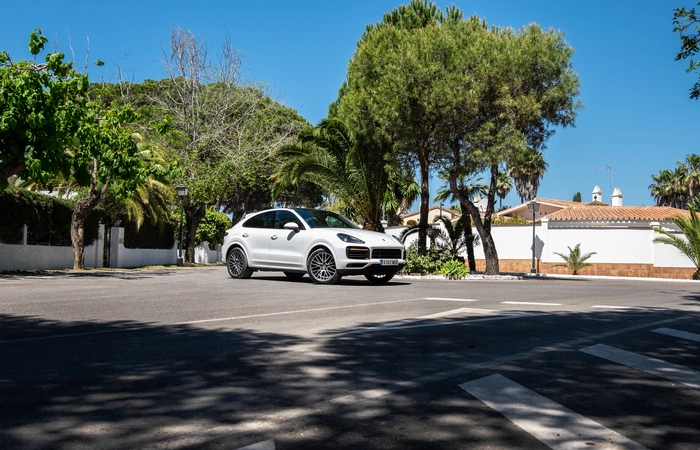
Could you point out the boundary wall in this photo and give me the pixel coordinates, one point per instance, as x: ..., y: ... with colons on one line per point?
x: 622, y: 248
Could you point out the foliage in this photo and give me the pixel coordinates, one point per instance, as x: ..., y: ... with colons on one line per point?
x: 456, y: 94
x: 575, y: 260
x: 212, y: 228
x: 43, y: 107
x: 396, y: 89
x: 690, y: 246
x: 223, y: 129
x: 527, y: 168
x: 149, y: 234
x: 508, y: 220
x: 687, y: 25
x: 677, y: 187
x: 577, y: 197
x: 47, y: 218
x: 427, y: 263
x: 350, y: 166
x: 453, y: 269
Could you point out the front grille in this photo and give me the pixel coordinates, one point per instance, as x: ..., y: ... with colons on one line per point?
x: 357, y: 252
x: 386, y: 253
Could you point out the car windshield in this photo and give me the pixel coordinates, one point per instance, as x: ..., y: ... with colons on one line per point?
x: 317, y: 218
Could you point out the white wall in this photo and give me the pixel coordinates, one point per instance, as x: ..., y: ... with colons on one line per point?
x: 120, y: 256
x: 611, y: 245
x: 621, y: 245
x: 44, y: 257
x: 203, y: 255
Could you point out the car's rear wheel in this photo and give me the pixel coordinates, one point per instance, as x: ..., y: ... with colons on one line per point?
x: 237, y: 264
x: 294, y: 276
x: 321, y: 267
x: 380, y: 278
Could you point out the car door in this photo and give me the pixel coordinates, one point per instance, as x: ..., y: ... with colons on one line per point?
x: 256, y: 236
x: 286, y: 246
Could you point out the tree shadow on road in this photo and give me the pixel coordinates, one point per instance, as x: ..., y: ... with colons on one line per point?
x: 129, y: 384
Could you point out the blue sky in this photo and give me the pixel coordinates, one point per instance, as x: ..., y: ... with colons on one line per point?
x: 638, y: 118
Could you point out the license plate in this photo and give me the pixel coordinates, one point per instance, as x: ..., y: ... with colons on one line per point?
x: 389, y: 262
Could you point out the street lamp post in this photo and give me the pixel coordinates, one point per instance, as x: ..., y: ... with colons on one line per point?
x: 182, y: 193
x: 533, y: 206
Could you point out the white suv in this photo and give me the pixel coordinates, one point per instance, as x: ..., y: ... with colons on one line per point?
x: 320, y: 243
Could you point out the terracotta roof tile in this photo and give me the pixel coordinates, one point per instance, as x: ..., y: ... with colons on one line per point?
x: 590, y: 212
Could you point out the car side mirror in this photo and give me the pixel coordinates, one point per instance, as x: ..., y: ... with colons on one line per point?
x: 291, y: 226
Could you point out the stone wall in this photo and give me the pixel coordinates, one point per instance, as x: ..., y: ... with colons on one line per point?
x: 601, y: 269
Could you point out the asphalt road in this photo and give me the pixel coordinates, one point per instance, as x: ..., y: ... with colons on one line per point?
x: 189, y: 358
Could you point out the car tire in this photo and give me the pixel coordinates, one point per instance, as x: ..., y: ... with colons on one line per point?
x: 321, y: 267
x: 294, y: 276
x: 237, y: 264
x: 380, y: 278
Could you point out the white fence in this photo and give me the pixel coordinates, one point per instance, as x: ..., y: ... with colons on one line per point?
x: 44, y: 257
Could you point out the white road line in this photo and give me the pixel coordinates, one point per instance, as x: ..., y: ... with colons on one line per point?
x: 638, y: 308
x: 502, y: 316
x: 551, y: 423
x: 531, y: 303
x: 266, y: 445
x: 298, y: 311
x: 679, y: 334
x: 652, y: 366
x: 444, y: 299
x: 451, y: 312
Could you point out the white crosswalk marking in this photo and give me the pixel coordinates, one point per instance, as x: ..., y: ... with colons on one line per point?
x: 646, y: 364
x: 679, y: 334
x: 551, y: 423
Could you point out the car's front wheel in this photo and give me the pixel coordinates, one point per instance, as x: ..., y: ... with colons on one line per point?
x: 379, y: 278
x: 237, y: 264
x: 321, y: 267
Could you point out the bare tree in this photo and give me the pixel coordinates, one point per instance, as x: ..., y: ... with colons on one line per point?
x: 221, y: 119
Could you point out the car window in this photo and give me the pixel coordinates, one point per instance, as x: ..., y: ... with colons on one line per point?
x: 266, y: 220
x: 284, y: 217
x: 317, y: 218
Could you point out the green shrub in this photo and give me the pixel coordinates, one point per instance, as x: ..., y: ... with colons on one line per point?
x: 427, y: 264
x: 212, y: 228
x: 453, y: 269
x: 47, y: 218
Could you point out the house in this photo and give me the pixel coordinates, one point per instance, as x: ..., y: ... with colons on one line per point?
x: 621, y: 236
x: 412, y: 218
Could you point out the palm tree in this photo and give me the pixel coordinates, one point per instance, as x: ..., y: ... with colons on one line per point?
x: 690, y: 246
x: 575, y: 260
x: 527, y: 168
x: 692, y: 163
x: 349, y: 166
x: 403, y: 191
x: 468, y: 190
x: 503, y: 186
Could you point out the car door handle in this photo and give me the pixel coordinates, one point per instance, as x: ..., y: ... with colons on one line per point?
x: 245, y: 234
x: 273, y: 237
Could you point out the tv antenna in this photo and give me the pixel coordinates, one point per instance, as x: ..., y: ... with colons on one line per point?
x: 608, y: 169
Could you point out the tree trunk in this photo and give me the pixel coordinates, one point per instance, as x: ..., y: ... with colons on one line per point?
x: 194, y: 213
x: 424, y: 200
x: 82, y: 210
x: 374, y: 226
x: 468, y: 237
x: 482, y: 227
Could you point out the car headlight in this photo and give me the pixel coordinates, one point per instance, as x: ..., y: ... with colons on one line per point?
x: 349, y: 239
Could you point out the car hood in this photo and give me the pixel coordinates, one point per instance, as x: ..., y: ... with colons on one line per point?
x: 370, y: 237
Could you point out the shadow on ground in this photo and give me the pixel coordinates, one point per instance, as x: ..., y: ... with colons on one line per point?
x: 126, y: 384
